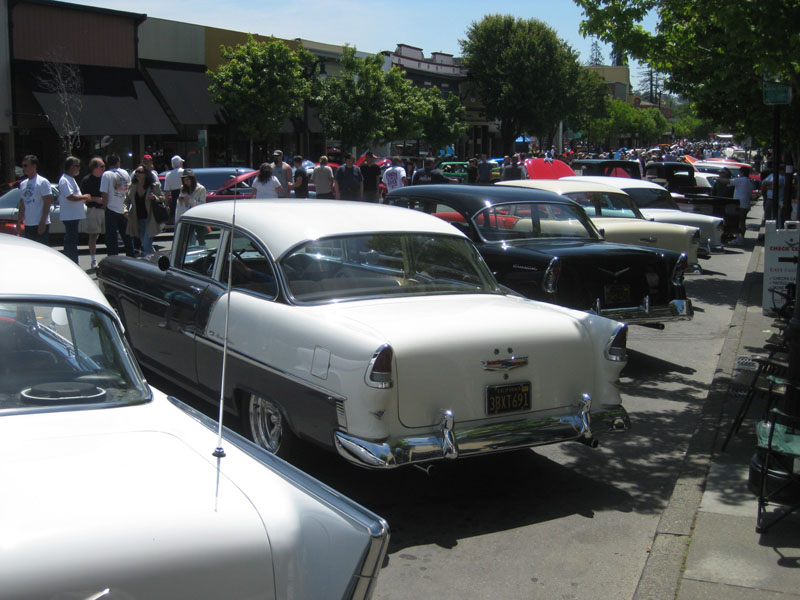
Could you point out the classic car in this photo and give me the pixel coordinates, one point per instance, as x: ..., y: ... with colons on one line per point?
x: 351, y: 326
x: 657, y: 204
x: 113, y: 490
x: 458, y: 170
x: 547, y: 168
x: 674, y: 175
x: 214, y: 178
x: 716, y: 166
x: 544, y: 246
x: 239, y: 186
x: 617, y: 217
x: 9, y: 208
x: 608, y: 167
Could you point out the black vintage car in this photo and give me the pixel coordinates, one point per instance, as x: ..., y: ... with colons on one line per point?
x: 543, y: 246
x: 608, y: 167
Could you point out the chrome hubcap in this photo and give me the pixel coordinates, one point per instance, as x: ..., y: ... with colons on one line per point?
x: 266, y: 423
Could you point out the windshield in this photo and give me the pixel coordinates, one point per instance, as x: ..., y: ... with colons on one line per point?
x: 63, y: 355
x: 606, y: 204
x: 532, y: 221
x: 385, y: 265
x: 652, y: 198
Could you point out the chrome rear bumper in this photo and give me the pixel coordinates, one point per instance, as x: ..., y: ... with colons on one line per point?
x: 676, y: 310
x: 450, y: 441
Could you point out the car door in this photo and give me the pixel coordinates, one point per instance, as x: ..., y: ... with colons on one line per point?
x: 169, y: 317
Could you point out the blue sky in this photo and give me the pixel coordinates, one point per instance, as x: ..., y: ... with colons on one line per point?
x: 370, y: 26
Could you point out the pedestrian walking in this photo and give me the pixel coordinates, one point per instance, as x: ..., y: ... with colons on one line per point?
x: 72, y: 206
x: 143, y: 193
x: 484, y: 170
x: 282, y: 172
x: 722, y: 186
x: 34, y: 205
x: 114, y: 188
x: 371, y: 173
x: 322, y: 176
x: 266, y: 184
x: 395, y: 176
x: 192, y: 193
x: 95, y: 212
x: 349, y: 183
x: 742, y: 190
x: 300, y: 182
x: 472, y: 170
x: 514, y: 170
x: 172, y: 183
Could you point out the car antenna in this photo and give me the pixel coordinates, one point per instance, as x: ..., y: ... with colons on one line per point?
x: 219, y: 452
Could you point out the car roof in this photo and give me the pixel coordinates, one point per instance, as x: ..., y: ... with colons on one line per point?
x: 618, y: 182
x: 476, y: 197
x: 31, y: 269
x: 564, y: 186
x: 282, y: 224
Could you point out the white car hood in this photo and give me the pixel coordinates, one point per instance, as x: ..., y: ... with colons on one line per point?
x: 679, y: 216
x: 110, y: 510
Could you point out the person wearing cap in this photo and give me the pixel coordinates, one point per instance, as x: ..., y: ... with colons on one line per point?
x: 172, y: 184
x: 372, y: 175
x: 191, y: 193
x: 282, y: 172
x: 147, y: 163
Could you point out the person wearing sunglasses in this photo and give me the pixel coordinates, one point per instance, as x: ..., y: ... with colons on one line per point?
x: 144, y: 192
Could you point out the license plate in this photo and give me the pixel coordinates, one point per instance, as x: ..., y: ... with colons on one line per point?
x: 617, y: 293
x: 508, y: 398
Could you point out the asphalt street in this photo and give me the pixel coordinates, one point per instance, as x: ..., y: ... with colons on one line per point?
x: 563, y: 521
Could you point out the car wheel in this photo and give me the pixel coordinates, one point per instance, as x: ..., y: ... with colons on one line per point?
x: 268, y: 427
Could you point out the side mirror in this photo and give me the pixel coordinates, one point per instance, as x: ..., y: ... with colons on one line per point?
x: 163, y: 262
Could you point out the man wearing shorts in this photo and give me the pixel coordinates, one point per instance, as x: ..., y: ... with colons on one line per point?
x: 95, y: 211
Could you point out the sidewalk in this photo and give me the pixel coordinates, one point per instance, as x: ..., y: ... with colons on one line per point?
x: 705, y: 544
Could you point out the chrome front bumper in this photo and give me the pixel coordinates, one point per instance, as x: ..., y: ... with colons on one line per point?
x: 676, y: 310
x: 450, y: 441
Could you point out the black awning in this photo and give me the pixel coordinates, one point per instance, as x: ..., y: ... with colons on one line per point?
x: 112, y: 101
x: 185, y: 90
x: 139, y: 114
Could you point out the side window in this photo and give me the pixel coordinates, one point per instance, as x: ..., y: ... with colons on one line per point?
x: 199, y: 247
x: 252, y: 269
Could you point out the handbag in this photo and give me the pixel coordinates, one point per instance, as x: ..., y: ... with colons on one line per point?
x: 160, y: 212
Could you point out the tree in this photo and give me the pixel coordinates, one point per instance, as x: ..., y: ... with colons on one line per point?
x: 589, y: 102
x: 716, y: 53
x: 354, y: 106
x: 524, y: 74
x: 261, y: 85
x: 596, y: 55
x: 65, y: 81
x: 442, y: 123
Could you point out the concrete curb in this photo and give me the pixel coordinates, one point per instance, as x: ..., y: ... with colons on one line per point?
x: 663, y: 569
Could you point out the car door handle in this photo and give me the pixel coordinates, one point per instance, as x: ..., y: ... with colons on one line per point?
x: 650, y: 239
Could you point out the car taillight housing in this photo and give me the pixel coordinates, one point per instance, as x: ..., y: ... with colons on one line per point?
x: 617, y: 348
x: 551, y: 275
x: 379, y: 372
x: 679, y: 269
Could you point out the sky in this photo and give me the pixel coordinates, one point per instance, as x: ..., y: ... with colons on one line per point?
x: 370, y: 26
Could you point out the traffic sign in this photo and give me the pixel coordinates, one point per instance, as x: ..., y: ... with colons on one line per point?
x: 777, y: 93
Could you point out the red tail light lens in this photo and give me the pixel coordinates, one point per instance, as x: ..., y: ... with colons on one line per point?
x: 379, y: 372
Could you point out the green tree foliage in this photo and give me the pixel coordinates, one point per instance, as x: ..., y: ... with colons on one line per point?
x: 690, y: 125
x: 443, y: 120
x: 261, y: 85
x: 354, y: 106
x: 366, y: 103
x: 525, y: 75
x: 589, y: 102
x: 623, y: 121
x: 716, y: 53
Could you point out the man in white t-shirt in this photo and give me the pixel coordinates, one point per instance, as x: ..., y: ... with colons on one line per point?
x: 113, y: 188
x: 395, y: 176
x: 34, y: 205
x: 742, y: 191
x: 173, y: 182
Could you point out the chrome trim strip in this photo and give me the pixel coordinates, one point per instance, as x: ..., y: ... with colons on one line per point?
x: 275, y: 370
x: 139, y: 293
x: 571, y: 424
x: 676, y: 310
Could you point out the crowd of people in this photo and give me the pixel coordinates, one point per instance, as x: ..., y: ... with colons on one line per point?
x: 130, y: 209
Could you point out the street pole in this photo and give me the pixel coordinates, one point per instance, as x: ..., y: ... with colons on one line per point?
x: 776, y: 163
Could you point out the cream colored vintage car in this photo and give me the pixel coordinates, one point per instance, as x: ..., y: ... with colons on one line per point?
x: 657, y: 204
x: 616, y: 216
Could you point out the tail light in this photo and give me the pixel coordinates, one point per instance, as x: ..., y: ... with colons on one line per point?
x: 551, y: 275
x: 379, y: 372
x: 679, y: 269
x: 617, y: 348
